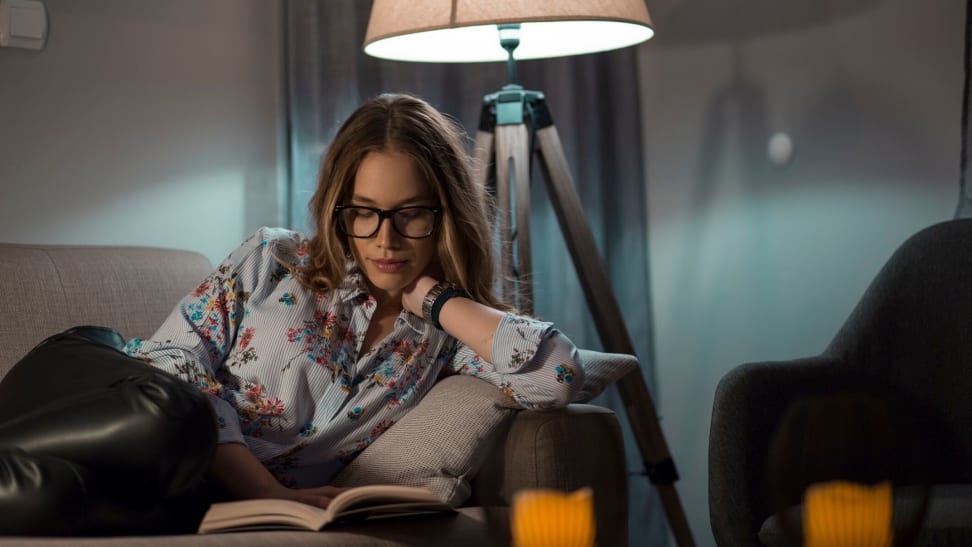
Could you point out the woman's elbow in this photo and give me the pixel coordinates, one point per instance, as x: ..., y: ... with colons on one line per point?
x: 569, y: 374
x: 573, y: 383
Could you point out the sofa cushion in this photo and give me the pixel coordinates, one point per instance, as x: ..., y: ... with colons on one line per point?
x: 601, y: 370
x: 49, y: 288
x: 440, y: 444
x: 443, y: 441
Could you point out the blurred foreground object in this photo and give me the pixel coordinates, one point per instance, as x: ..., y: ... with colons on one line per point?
x: 550, y: 518
x: 840, y: 513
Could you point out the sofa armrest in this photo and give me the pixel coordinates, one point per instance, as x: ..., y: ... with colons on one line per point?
x: 564, y: 449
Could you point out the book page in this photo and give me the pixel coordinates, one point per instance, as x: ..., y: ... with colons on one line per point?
x: 379, y: 494
x: 275, y: 512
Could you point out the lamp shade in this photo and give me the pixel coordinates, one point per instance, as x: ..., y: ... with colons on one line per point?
x: 452, y: 31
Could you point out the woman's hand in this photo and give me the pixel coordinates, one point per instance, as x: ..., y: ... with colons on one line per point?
x: 413, y: 295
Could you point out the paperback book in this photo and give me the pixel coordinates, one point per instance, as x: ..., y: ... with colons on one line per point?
x: 359, y: 503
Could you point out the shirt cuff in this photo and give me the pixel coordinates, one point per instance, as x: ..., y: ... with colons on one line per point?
x: 516, y: 341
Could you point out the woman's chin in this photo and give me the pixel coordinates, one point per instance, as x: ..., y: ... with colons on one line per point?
x: 390, y: 282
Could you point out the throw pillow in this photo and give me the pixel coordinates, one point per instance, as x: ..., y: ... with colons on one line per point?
x: 440, y: 444
x: 601, y: 370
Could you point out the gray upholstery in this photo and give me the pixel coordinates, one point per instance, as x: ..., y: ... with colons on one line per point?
x: 45, y: 289
x: 910, y: 336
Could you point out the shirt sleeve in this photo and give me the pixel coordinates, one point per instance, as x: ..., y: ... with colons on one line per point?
x: 194, y: 341
x: 533, y: 363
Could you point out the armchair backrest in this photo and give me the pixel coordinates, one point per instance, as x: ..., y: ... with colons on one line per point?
x: 912, y: 334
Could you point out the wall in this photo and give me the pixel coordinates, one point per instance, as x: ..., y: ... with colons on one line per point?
x: 754, y: 262
x: 149, y: 123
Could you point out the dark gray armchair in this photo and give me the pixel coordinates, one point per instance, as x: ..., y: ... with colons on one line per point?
x: 911, y: 335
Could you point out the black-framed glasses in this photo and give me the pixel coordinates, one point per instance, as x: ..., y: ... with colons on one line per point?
x: 414, y: 222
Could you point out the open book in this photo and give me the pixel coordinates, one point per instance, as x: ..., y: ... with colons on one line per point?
x: 362, y: 502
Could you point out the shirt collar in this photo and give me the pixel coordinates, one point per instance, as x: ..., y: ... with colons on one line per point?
x: 353, y: 286
x: 417, y: 324
x: 354, y: 289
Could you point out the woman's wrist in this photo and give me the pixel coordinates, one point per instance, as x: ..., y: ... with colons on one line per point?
x: 412, y: 300
x: 436, y: 298
x: 242, y: 475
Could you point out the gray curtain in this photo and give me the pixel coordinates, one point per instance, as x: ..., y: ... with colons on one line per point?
x: 594, y: 102
x: 964, y: 208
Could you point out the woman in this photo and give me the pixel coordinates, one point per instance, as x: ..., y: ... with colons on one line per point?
x: 306, y: 349
x: 310, y: 349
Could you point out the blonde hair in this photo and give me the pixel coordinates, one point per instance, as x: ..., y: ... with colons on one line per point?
x: 411, y: 126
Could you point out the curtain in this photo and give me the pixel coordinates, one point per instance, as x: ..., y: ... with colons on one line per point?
x: 964, y: 209
x: 594, y: 103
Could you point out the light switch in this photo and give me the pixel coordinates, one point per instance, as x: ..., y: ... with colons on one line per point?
x: 23, y: 24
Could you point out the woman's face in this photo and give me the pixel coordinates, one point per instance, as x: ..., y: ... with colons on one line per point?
x: 390, y: 261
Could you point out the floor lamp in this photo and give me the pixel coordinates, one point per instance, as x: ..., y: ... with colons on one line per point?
x: 498, y: 30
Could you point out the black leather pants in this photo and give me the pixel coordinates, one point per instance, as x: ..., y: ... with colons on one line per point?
x: 95, y: 442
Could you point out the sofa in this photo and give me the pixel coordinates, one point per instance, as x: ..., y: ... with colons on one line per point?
x: 45, y: 289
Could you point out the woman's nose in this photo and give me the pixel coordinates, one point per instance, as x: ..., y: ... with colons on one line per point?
x: 387, y: 237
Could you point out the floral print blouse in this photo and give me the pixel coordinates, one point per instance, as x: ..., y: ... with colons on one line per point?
x: 281, y: 363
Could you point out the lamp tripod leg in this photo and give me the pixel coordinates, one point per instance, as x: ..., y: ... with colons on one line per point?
x: 610, y: 326
x: 482, y: 152
x: 513, y: 202
x: 605, y: 311
x: 484, y: 176
x: 511, y: 189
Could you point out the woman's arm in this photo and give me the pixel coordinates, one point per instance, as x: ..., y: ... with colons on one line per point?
x: 212, y: 323
x: 529, y: 359
x: 468, y: 321
x: 243, y: 476
x: 195, y: 339
x: 471, y: 323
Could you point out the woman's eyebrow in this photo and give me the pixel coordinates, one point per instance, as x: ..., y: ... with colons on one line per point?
x: 417, y: 200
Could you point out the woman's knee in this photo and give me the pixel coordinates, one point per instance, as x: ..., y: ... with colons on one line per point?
x: 174, y: 428
x: 40, y: 494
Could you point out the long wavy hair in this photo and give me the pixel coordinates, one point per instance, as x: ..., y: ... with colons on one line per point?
x: 411, y: 126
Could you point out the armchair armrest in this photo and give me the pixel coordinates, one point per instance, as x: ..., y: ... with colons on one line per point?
x: 563, y: 449
x: 749, y: 401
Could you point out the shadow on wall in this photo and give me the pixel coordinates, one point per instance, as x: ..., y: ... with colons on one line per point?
x: 736, y: 126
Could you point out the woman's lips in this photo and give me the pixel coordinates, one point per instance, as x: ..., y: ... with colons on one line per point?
x: 388, y: 266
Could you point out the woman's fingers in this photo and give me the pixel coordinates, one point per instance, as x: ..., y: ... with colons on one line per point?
x: 320, y: 496
x: 314, y: 499
x: 330, y: 491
